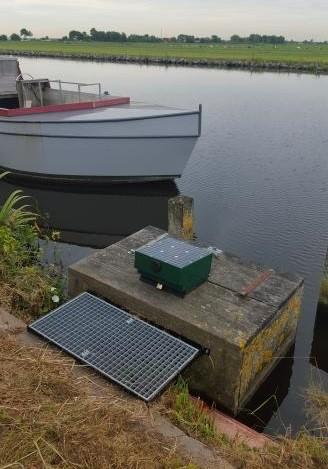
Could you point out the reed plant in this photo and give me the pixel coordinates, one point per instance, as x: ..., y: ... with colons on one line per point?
x: 26, y: 287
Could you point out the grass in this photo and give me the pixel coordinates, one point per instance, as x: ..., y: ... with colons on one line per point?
x: 26, y: 288
x: 317, y: 409
x: 306, y: 451
x: 190, y: 416
x: 54, y: 416
x: 324, y: 291
x: 50, y: 418
x: 310, y: 54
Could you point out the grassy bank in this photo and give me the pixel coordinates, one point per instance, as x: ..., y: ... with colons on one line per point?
x: 308, y: 450
x: 27, y: 288
x: 51, y: 418
x: 311, y: 56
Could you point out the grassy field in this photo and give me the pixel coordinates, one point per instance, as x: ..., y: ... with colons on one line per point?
x: 286, y: 53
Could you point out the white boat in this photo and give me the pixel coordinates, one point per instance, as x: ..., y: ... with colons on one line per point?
x: 48, y: 130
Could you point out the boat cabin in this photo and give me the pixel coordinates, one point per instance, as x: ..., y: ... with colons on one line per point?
x: 9, y: 71
x: 33, y: 96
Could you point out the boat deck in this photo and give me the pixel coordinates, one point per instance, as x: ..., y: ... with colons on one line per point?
x: 115, y: 109
x: 63, y: 108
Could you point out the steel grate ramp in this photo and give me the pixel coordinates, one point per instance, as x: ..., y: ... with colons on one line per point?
x: 138, y: 356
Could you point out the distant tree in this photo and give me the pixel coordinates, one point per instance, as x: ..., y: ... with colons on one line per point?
x: 98, y: 35
x: 235, y: 38
x: 255, y: 38
x: 3, y: 37
x: 25, y: 33
x: 215, y: 38
x: 15, y: 37
x: 258, y: 39
x: 93, y: 34
x: 186, y: 38
x: 75, y: 36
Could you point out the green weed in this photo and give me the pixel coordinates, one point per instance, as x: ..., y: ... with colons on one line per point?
x: 189, y: 414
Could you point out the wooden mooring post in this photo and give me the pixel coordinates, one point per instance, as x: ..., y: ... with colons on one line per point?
x: 181, y: 217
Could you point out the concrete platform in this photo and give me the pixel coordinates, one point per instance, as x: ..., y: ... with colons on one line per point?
x: 246, y: 334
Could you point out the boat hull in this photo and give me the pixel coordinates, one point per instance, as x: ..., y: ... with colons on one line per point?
x: 116, y: 159
x: 150, y: 149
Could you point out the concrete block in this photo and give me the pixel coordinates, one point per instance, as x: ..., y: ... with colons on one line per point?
x: 246, y: 336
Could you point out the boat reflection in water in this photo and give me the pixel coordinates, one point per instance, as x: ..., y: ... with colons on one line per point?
x: 95, y: 217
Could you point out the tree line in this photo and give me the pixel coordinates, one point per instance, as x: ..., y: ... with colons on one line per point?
x: 23, y: 34
x: 115, y: 36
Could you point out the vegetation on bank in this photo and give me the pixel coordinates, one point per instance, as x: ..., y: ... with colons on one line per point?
x: 26, y: 287
x: 308, y: 450
x: 324, y: 291
x: 289, y: 53
x: 52, y: 418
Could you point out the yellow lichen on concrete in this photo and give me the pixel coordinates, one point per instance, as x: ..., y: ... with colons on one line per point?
x: 265, y: 348
x: 188, y: 225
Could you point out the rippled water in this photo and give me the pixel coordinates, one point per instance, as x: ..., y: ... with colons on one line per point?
x: 259, y: 178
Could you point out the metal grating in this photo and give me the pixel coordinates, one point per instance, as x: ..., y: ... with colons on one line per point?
x: 174, y: 252
x: 138, y: 356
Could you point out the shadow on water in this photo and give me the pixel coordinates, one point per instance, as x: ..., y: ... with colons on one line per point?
x: 267, y: 400
x: 93, y: 217
x: 319, y: 351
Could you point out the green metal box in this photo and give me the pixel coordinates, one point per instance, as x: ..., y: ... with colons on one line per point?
x: 175, y: 264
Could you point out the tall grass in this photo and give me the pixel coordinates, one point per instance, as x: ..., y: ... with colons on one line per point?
x: 324, y: 291
x: 306, y: 451
x: 13, y: 213
x: 26, y: 288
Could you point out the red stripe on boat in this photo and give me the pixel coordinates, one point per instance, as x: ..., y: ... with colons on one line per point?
x: 64, y: 107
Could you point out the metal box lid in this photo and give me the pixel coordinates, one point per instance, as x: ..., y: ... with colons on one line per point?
x: 173, y: 263
x: 174, y: 252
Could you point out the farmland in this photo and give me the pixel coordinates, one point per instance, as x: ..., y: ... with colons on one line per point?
x: 310, y: 56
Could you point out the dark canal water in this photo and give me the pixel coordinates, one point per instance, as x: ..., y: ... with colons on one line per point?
x: 259, y: 177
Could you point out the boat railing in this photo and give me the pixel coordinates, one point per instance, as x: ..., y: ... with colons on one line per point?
x: 78, y: 84
x: 60, y: 83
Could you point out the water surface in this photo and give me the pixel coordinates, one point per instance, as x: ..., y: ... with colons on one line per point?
x: 259, y: 179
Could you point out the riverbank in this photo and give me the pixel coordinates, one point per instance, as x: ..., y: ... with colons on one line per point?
x: 309, y: 58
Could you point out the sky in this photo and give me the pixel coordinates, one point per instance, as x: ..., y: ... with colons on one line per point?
x: 295, y: 19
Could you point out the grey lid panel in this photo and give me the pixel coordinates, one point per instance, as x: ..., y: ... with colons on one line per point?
x: 174, y: 252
